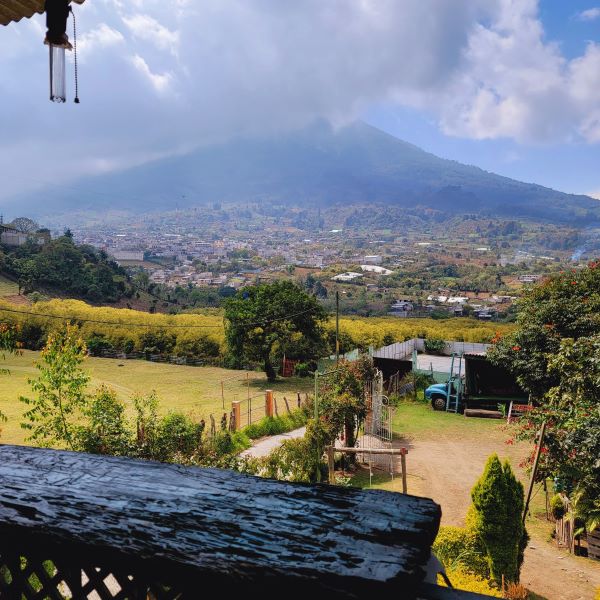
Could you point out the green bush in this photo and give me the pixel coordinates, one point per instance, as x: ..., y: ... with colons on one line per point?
x: 97, y: 344
x: 302, y: 370
x: 276, y: 425
x: 434, y: 345
x: 458, y: 547
x: 105, y: 430
x: 558, y: 507
x: 226, y: 443
x: 295, y: 460
x: 177, y: 434
x: 498, y: 503
x: 469, y: 582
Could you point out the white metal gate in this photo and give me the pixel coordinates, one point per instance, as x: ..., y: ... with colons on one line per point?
x: 377, y: 428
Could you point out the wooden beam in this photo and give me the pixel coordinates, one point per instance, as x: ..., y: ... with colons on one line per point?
x: 204, y: 527
x: 354, y: 450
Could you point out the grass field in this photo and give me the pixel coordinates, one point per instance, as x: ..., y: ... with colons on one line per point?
x: 191, y: 390
x: 7, y: 287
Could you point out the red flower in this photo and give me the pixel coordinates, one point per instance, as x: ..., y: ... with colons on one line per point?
x: 516, y: 348
x: 573, y: 283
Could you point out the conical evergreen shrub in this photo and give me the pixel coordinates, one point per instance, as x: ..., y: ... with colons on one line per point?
x: 498, y: 502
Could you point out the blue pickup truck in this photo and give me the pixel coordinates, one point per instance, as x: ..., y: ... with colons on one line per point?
x: 483, y: 386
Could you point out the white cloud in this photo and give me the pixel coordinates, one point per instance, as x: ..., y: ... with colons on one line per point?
x: 160, y: 82
x: 163, y: 75
x: 514, y: 84
x: 591, y: 14
x: 144, y: 27
x: 102, y: 36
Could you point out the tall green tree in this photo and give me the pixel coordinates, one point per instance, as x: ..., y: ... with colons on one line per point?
x: 266, y: 321
x: 555, y: 355
x: 566, y: 305
x: 59, y: 391
x: 496, y: 518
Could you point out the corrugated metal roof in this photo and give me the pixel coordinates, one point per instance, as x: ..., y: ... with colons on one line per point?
x: 15, y: 10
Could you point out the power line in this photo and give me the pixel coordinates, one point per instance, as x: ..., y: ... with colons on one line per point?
x: 165, y: 326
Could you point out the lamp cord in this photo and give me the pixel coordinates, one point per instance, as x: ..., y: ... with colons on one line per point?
x: 75, y: 56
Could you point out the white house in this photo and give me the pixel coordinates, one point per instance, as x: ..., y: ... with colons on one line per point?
x: 373, y: 259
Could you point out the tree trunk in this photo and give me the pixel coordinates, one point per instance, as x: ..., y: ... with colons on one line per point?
x: 270, y: 371
x: 349, y: 436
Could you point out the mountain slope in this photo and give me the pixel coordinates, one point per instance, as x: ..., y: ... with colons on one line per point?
x: 356, y: 164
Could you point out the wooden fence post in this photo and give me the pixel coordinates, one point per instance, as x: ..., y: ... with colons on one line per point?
x: 331, y: 464
x: 237, y: 415
x: 403, y: 462
x: 287, y: 406
x: 269, y: 403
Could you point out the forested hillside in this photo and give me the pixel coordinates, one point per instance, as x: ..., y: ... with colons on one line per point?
x: 61, y: 267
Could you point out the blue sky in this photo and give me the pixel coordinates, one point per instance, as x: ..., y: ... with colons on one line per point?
x: 572, y: 167
x: 512, y: 86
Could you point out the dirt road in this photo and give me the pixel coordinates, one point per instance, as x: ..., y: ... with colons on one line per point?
x: 444, y: 468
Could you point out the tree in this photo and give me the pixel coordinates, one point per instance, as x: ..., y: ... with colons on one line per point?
x: 555, y: 354
x: 566, y: 305
x: 261, y: 322
x: 60, y: 390
x: 25, y: 225
x: 496, y: 518
x: 342, y: 398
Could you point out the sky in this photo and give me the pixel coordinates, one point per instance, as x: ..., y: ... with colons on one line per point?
x: 512, y: 86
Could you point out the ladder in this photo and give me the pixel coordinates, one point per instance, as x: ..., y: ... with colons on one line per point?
x: 454, y: 385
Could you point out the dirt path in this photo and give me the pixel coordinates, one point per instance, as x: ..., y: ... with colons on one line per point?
x: 445, y: 468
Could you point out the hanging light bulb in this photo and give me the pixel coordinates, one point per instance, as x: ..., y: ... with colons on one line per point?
x: 57, y: 13
x: 58, y: 79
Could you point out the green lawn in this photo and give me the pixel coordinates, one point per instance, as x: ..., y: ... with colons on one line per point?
x: 192, y: 390
x: 413, y: 419
x: 7, y: 287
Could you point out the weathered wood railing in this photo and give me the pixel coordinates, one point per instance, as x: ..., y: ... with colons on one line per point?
x: 76, y: 526
x: 72, y: 524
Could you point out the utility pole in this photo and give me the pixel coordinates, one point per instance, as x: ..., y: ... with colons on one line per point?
x: 337, y: 328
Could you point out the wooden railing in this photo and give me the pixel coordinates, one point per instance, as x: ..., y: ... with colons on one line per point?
x: 80, y: 526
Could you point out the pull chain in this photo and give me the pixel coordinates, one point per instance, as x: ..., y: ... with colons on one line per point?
x: 75, y: 56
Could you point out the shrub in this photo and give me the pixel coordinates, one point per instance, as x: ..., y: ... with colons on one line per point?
x: 463, y: 580
x: 225, y: 442
x: 458, y: 547
x: 558, y: 507
x: 294, y: 460
x: 498, y: 503
x: 98, y: 344
x: 302, y: 370
x: 276, y: 425
x: 434, y: 345
x: 177, y: 434
x: 106, y: 430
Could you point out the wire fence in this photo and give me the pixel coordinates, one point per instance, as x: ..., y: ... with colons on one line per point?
x: 252, y: 409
